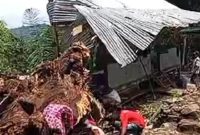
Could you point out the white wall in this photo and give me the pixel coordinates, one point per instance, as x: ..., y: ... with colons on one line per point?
x: 169, y: 59
x: 118, y: 76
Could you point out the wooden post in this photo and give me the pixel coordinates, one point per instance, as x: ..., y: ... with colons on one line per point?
x: 56, y: 41
x: 148, y: 78
x: 184, y: 47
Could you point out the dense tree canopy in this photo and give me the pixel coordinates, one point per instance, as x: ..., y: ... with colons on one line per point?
x: 18, y: 56
x: 12, y: 51
x: 41, y: 48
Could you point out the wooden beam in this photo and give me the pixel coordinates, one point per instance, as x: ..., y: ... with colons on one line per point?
x: 56, y: 41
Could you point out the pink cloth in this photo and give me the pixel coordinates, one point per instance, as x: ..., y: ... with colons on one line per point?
x: 92, y: 122
x: 53, y: 115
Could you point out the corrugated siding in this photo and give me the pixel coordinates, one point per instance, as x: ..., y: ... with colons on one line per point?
x: 85, y: 36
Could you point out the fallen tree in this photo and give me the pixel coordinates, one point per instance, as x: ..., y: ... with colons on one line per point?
x: 62, y: 81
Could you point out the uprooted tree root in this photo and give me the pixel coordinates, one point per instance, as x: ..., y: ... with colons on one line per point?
x: 63, y: 81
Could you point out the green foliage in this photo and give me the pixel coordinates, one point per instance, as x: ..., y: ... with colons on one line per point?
x: 27, y: 32
x: 18, y: 56
x: 41, y: 48
x: 11, y: 51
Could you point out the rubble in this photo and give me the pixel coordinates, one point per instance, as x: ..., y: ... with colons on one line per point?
x: 180, y: 115
x: 65, y: 81
x: 190, y: 110
x: 189, y: 125
x: 162, y: 131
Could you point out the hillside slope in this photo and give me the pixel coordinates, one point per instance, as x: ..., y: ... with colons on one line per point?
x: 26, y: 32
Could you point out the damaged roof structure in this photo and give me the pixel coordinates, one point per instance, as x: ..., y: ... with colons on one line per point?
x: 124, y: 32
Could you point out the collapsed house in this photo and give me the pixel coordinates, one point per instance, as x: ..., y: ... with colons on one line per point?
x: 120, y: 39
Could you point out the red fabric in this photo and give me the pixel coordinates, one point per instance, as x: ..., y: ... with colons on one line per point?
x: 129, y: 117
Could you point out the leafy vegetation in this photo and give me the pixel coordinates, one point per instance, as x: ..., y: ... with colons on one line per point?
x: 11, y: 51
x: 27, y: 32
x: 21, y: 56
x: 41, y: 48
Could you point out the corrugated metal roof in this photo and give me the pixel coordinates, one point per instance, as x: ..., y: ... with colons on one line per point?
x: 123, y: 31
x: 139, y: 27
x: 63, y: 10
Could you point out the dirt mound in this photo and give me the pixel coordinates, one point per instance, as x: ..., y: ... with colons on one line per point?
x: 63, y: 81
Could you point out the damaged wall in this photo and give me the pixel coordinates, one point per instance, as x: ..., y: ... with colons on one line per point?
x: 169, y: 59
x: 118, y: 76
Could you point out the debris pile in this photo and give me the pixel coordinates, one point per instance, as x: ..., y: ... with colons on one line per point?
x: 179, y: 115
x: 62, y: 81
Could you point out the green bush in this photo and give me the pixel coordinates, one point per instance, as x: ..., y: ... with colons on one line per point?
x: 19, y: 56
